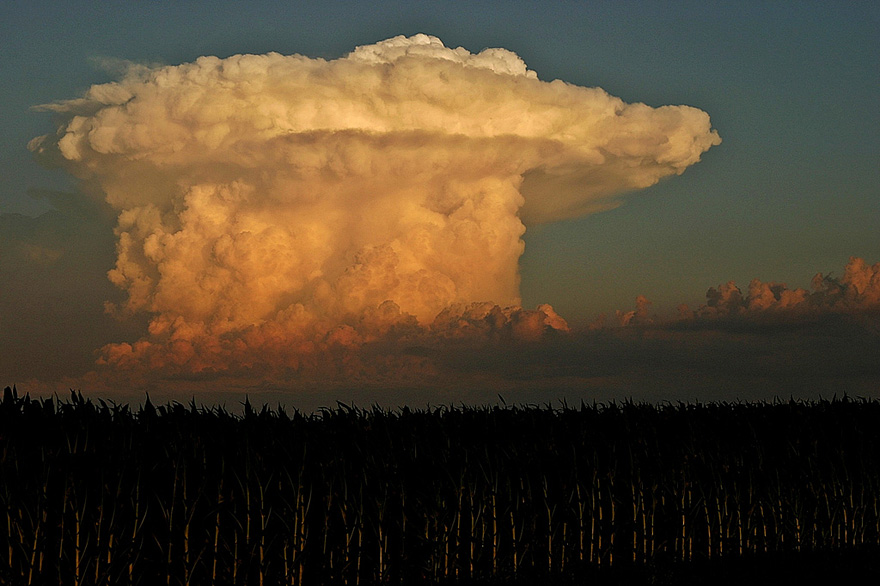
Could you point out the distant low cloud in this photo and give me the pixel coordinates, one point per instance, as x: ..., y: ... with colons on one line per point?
x: 767, y: 340
x: 856, y: 292
x: 283, y: 217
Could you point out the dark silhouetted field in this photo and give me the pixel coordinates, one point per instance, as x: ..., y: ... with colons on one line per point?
x: 613, y: 494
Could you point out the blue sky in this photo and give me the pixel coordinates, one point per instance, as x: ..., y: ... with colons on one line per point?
x: 792, y: 88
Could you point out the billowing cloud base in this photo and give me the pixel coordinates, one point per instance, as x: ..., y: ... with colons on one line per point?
x: 281, y: 213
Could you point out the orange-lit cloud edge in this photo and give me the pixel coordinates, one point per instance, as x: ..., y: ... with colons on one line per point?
x: 293, y: 223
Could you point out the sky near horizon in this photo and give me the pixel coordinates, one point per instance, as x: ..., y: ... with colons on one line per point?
x: 789, y: 191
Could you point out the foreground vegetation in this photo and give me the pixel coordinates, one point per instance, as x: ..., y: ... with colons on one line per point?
x: 99, y: 494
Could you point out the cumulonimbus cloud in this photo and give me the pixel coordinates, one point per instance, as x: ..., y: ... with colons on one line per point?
x: 272, y: 208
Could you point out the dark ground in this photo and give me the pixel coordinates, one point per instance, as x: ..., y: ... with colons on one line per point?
x: 828, y: 568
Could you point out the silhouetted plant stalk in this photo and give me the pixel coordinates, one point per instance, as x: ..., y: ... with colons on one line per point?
x: 98, y: 494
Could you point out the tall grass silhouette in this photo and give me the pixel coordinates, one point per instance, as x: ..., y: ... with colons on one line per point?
x: 96, y: 493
